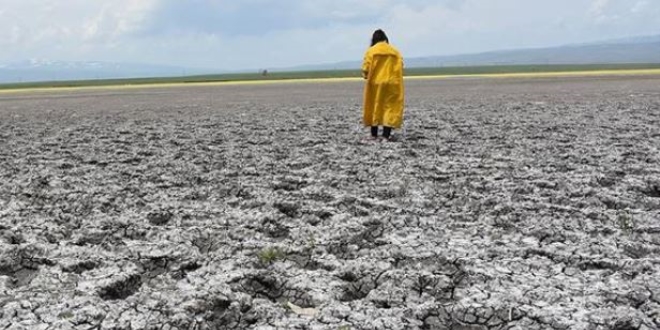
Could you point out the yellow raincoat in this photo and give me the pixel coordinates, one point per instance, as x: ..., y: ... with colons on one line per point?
x: 383, y: 92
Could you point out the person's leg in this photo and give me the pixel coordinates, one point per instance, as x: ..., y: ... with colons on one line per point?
x: 387, y: 132
x: 374, y: 131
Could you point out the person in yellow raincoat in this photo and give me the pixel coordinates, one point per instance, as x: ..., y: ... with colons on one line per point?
x: 383, y: 92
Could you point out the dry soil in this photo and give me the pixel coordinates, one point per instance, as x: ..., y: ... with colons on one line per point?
x: 504, y: 204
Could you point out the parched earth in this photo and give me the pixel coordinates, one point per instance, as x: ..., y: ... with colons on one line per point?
x: 505, y: 204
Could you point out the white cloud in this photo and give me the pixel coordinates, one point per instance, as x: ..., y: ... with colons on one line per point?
x: 117, y: 19
x: 640, y: 7
x: 255, y: 33
x: 44, y: 23
x: 599, y: 12
x: 598, y: 7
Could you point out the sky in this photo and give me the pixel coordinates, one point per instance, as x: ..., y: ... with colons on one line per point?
x: 254, y: 34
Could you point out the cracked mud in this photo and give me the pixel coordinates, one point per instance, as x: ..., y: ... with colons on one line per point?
x: 505, y: 204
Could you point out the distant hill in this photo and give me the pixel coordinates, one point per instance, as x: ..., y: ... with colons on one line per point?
x: 42, y: 70
x: 637, y: 50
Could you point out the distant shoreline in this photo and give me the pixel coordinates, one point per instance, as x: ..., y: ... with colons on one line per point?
x: 521, y: 71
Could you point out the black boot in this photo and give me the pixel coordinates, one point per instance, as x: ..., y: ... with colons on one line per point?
x: 387, y: 132
x: 374, y: 131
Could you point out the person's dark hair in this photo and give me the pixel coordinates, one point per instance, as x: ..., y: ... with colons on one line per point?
x: 379, y: 36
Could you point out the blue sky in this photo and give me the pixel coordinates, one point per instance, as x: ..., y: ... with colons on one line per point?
x: 247, y: 34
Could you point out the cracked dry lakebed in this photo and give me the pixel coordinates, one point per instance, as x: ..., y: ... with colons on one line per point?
x: 504, y: 204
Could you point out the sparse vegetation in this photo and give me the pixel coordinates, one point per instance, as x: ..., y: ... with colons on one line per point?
x: 626, y: 222
x: 270, y: 255
x: 311, y: 241
x: 65, y: 315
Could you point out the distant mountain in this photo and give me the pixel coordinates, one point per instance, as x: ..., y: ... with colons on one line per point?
x: 630, y: 40
x: 637, y: 50
x: 643, y: 49
x: 43, y: 70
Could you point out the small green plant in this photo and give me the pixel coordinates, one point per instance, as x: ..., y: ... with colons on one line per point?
x: 626, y: 222
x: 403, y: 189
x: 270, y: 255
x: 65, y: 315
x: 311, y: 241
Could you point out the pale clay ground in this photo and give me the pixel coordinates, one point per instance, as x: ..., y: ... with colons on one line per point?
x: 506, y: 204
